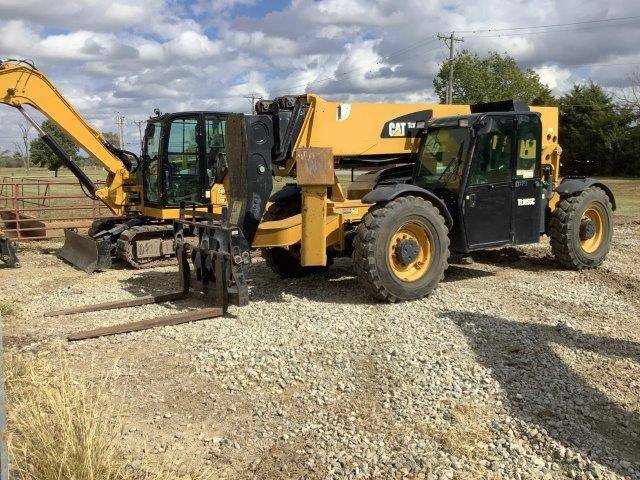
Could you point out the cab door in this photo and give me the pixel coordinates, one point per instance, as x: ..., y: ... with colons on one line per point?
x: 215, y: 150
x: 183, y: 167
x: 528, y: 206
x: 487, y: 201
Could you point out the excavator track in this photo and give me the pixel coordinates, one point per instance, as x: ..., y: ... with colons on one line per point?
x: 147, y: 246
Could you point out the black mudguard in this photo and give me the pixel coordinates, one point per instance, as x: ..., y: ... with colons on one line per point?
x: 386, y: 193
x: 574, y: 185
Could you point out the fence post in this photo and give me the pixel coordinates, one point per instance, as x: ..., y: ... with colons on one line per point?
x: 16, y: 211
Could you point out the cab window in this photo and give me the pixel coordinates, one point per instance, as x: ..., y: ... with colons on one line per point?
x: 491, y: 161
x: 529, y: 134
x: 181, y: 175
x: 443, y: 150
x: 151, y: 162
x: 215, y: 130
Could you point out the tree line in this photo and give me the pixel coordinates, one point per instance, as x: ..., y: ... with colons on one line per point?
x: 599, y: 133
x: 37, y: 152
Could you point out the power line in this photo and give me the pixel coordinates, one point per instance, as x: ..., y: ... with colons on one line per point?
x: 596, y: 23
x: 253, y: 97
x: 139, y: 124
x: 584, y: 22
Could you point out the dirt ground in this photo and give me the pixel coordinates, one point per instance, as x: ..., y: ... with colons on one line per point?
x: 513, y: 368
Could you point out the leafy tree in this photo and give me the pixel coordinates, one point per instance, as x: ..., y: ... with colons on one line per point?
x: 594, y: 132
x: 43, y: 156
x: 484, y: 79
x: 112, y: 137
x: 629, y: 163
x: 545, y: 98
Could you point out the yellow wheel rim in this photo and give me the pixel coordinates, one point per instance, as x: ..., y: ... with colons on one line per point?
x: 419, y: 242
x: 591, y: 241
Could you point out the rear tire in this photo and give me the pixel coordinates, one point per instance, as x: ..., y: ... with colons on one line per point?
x: 285, y: 262
x: 581, y: 229
x: 401, y: 249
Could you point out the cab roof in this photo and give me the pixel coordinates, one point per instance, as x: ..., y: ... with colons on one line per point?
x: 472, y: 118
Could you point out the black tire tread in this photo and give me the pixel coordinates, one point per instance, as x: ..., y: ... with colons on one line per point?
x: 364, y: 243
x: 560, y: 231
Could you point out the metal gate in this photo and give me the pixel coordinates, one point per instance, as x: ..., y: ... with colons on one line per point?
x: 41, y: 208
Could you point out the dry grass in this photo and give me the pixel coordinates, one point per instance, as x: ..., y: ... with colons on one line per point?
x: 468, y: 427
x: 63, y: 427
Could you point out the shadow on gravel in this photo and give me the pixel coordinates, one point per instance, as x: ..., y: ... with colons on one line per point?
x: 150, y: 282
x: 337, y: 284
x: 542, y: 389
x: 456, y: 273
x: 517, y: 259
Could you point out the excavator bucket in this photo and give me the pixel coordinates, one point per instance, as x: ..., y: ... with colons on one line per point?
x: 7, y: 253
x: 84, y: 252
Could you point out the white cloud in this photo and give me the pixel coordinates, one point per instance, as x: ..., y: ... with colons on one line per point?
x: 134, y: 55
x: 192, y: 45
x: 558, y: 79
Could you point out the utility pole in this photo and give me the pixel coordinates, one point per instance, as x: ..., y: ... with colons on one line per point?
x: 120, y: 125
x: 450, y: 41
x: 253, y: 97
x: 139, y: 123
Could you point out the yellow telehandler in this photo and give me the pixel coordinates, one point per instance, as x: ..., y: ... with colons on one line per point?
x: 486, y: 176
x: 474, y: 177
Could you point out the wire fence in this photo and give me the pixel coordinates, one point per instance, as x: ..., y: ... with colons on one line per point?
x: 41, y: 208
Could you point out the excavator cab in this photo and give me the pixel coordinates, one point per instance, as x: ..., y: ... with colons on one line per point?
x: 182, y: 163
x: 183, y: 157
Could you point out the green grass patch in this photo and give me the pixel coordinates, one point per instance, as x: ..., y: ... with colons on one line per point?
x: 627, y: 194
x: 6, y: 309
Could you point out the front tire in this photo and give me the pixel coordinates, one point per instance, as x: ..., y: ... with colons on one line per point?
x: 581, y: 229
x: 401, y: 249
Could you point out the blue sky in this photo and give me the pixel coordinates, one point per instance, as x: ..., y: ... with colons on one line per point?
x: 132, y: 56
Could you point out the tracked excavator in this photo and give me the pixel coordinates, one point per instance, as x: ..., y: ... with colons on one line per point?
x: 471, y: 177
x: 181, y: 161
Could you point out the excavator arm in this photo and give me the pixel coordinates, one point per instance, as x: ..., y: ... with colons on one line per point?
x: 22, y: 84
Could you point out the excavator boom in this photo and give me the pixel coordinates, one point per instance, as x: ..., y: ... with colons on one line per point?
x: 22, y: 84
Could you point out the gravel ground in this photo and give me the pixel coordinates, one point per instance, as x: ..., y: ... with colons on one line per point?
x: 513, y: 368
